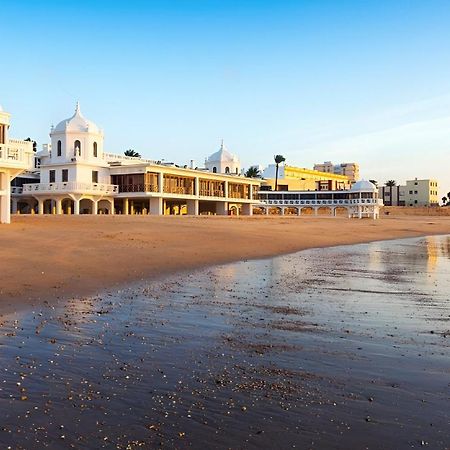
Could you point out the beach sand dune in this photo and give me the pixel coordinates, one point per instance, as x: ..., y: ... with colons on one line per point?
x: 48, y: 257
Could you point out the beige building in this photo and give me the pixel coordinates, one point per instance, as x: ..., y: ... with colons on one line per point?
x: 350, y: 170
x: 392, y: 195
x: 421, y: 193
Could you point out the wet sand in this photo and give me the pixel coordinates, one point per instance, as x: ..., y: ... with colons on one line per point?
x: 332, y: 348
x: 45, y: 258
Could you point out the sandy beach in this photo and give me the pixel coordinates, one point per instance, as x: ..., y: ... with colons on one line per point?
x: 329, y: 348
x: 52, y: 257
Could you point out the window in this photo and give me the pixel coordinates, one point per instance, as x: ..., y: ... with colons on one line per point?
x: 59, y: 151
x: 65, y: 176
x: 77, y: 148
x: 227, y: 169
x: 415, y: 201
x: 214, y: 169
x: 52, y: 176
x: 95, y: 176
x: 415, y: 192
x: 95, y: 149
x: 410, y: 192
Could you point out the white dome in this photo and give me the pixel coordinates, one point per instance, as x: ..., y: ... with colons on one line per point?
x: 77, y: 123
x: 363, y: 185
x: 223, y: 156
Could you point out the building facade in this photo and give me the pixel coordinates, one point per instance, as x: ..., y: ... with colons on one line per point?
x: 358, y: 202
x: 350, y: 170
x: 414, y: 193
x: 392, y: 195
x: 76, y: 176
x: 16, y: 156
x: 297, y: 178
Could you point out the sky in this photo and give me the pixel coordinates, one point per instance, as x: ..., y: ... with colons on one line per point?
x: 314, y: 80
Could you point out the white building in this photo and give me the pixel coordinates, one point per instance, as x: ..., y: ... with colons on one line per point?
x: 78, y: 177
x: 223, y: 161
x: 15, y: 157
x: 359, y: 201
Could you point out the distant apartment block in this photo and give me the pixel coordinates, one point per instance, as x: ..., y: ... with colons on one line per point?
x: 349, y: 170
x: 414, y: 193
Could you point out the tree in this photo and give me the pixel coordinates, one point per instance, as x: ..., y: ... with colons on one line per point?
x: 375, y: 182
x: 253, y: 172
x: 390, y: 184
x: 278, y: 160
x: 132, y: 153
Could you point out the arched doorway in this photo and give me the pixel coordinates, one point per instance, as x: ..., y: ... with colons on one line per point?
x: 324, y: 211
x: 67, y: 206
x: 86, y: 206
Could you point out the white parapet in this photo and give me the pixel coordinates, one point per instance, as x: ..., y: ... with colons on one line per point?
x: 70, y: 187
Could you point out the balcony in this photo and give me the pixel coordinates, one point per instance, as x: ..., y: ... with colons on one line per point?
x: 71, y: 187
x: 16, y: 154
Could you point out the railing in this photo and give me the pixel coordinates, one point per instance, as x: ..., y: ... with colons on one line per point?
x: 140, y: 187
x: 214, y: 193
x: 16, y: 189
x: 357, y: 201
x: 99, y: 188
x: 17, y: 153
x: 112, y: 157
x: 178, y: 190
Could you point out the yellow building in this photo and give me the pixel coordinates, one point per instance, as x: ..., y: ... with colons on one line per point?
x: 298, y: 178
x: 421, y: 193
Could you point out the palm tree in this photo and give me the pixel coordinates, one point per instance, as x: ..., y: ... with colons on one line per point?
x: 444, y: 201
x: 278, y: 160
x: 375, y: 182
x: 132, y: 153
x: 253, y: 172
x: 390, y: 184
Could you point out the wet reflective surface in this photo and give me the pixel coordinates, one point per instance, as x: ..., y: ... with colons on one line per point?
x: 347, y: 347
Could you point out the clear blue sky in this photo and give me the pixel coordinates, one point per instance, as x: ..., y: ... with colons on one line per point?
x: 365, y: 81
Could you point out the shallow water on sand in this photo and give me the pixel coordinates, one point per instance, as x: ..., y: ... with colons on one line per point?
x: 345, y: 347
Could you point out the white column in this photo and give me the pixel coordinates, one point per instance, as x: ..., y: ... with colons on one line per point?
x: 76, y: 207
x: 197, y: 186
x: 58, y: 206
x: 156, y: 206
x: 299, y: 211
x: 192, y: 207
x: 160, y: 182
x: 94, y: 207
x: 226, y: 189
x: 111, y: 202
x: 5, y: 198
x: 40, y: 206
x: 125, y: 206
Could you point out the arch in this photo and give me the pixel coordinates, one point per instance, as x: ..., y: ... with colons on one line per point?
x: 275, y: 211
x: 59, y: 149
x: 95, y: 149
x: 341, y: 211
x: 259, y: 210
x: 227, y: 169
x: 214, y: 169
x: 307, y: 210
x: 67, y: 206
x: 291, y: 210
x: 104, y: 206
x: 77, y: 148
x: 86, y: 206
x: 325, y: 211
x: 49, y: 206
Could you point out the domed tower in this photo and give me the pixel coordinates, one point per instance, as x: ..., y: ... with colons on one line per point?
x: 76, y: 139
x: 223, y: 161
